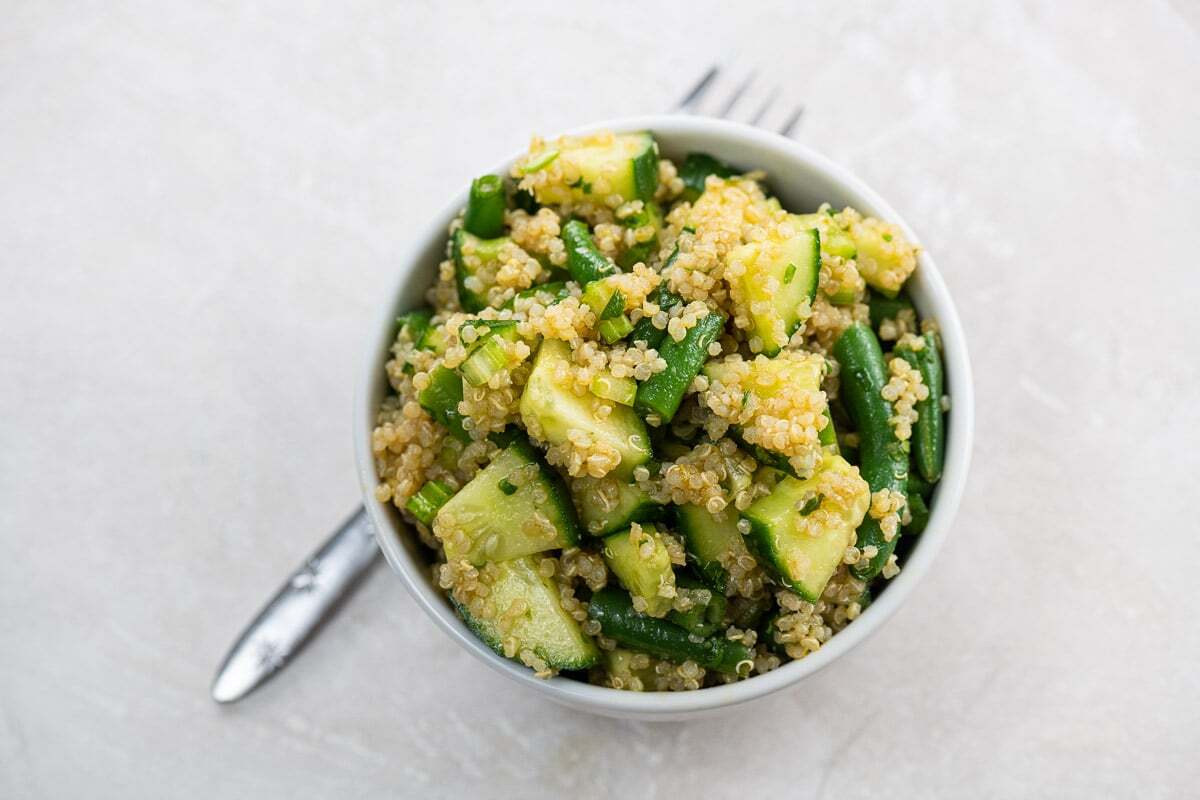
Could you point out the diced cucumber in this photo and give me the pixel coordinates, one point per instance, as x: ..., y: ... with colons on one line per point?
x: 651, y: 214
x: 780, y: 279
x: 620, y: 665
x: 607, y: 505
x: 550, y: 411
x: 789, y: 373
x: 435, y: 339
x: 834, y: 240
x: 803, y: 559
x: 641, y: 561
x: 425, y: 503
x: 885, y: 258
x: 544, y: 627
x: 712, y: 540
x: 490, y: 521
x: 609, y: 387
x: 628, y: 165
x: 475, y: 267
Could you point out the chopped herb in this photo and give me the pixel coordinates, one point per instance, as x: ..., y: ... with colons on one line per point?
x: 887, y: 237
x: 745, y: 397
x: 541, y: 162
x: 811, y: 504
x: 507, y: 486
x: 789, y: 274
x: 688, y: 229
x: 615, y: 306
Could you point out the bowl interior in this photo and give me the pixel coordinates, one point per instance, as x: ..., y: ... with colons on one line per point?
x: 802, y: 180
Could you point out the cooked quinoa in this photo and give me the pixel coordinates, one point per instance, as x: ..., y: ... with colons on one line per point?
x: 623, y: 427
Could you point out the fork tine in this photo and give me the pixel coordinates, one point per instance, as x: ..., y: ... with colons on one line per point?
x: 765, y: 107
x: 737, y: 95
x: 697, y: 91
x: 790, y: 125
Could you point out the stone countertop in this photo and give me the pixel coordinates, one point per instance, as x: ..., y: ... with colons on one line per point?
x: 199, y: 205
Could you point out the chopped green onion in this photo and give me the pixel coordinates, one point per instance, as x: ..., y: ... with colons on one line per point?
x: 612, y: 330
x: 541, y: 162
x: 609, y: 387
x: 488, y: 359
x: 789, y: 274
x: 425, y: 503
x: 507, y: 486
x: 811, y: 504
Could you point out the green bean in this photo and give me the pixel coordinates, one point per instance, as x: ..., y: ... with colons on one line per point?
x: 485, y: 207
x: 882, y: 458
x: 644, y: 330
x: 929, y: 434
x: 662, y: 393
x: 613, y: 609
x: 584, y: 261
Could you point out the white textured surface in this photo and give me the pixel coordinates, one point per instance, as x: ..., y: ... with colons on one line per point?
x: 196, y: 205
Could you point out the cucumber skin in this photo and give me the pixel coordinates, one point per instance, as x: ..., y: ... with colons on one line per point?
x: 470, y: 301
x: 441, y: 398
x: 613, y: 609
x: 929, y: 433
x: 645, y: 172
x: 560, y: 495
x: 663, y: 392
x: 882, y: 459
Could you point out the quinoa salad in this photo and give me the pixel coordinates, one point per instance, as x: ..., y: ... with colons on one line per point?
x: 657, y: 431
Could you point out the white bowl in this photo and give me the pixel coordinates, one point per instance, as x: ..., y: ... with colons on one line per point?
x: 802, y: 179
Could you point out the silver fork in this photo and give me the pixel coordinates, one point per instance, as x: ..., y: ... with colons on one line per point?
x: 319, y: 586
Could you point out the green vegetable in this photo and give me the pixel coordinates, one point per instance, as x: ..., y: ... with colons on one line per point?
x: 628, y: 165
x: 662, y: 393
x: 643, y: 565
x: 882, y: 308
x: 547, y: 293
x: 710, y: 539
x: 484, y: 216
x: 644, y: 330
x: 473, y: 258
x: 584, y: 261
x: 545, y: 627
x: 414, y: 324
x: 882, y: 458
x: 703, y: 618
x: 613, y: 609
x: 929, y: 434
x: 496, y: 524
x: 550, y: 410
x: 490, y: 354
x: 919, y: 512
x: 780, y: 278
x: 804, y: 559
x: 695, y: 171
x: 651, y: 214
x: 621, y: 505
x: 619, y: 390
x: 425, y: 503
x: 441, y: 398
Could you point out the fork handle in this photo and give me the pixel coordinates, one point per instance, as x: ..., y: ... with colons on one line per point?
x: 309, y: 597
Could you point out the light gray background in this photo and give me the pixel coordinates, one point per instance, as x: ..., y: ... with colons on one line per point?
x: 199, y: 207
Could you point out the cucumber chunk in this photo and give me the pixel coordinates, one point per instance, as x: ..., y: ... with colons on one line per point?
x: 803, y: 527
x: 885, y: 257
x: 607, y: 505
x: 489, y: 520
x: 550, y: 411
x: 712, y: 542
x: 545, y: 627
x: 641, y: 561
x: 708, y: 609
x: 780, y: 279
x: 475, y: 264
x: 627, y: 165
x: 629, y: 670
